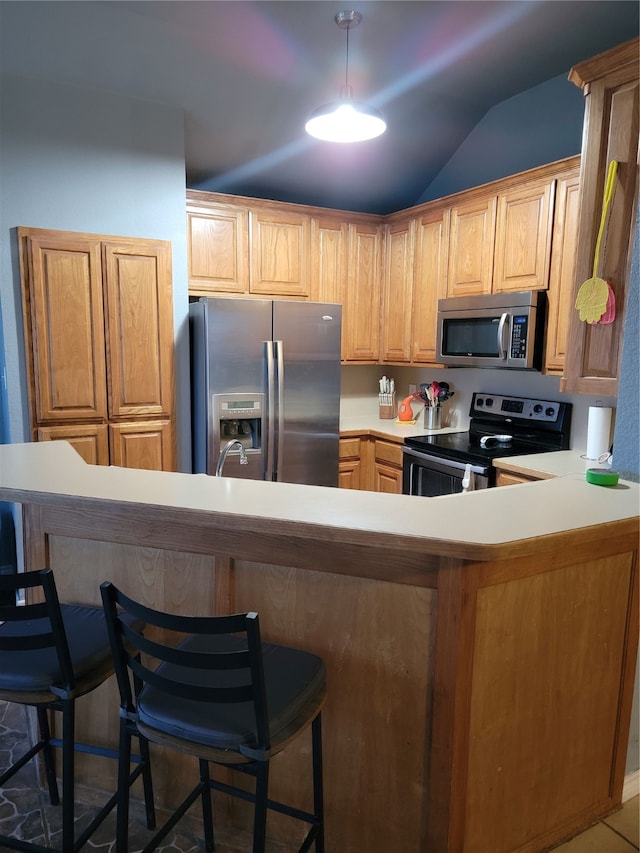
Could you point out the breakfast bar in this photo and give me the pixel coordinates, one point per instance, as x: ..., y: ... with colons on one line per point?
x: 480, y: 647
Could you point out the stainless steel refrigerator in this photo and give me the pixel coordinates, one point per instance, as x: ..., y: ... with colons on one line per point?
x: 267, y: 374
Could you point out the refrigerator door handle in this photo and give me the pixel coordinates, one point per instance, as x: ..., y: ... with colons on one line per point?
x: 279, y: 355
x: 270, y: 463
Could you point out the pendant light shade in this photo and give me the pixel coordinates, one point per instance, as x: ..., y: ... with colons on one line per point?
x: 346, y: 120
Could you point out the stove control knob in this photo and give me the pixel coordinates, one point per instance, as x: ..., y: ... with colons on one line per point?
x: 537, y: 408
x: 479, y: 401
x: 489, y: 402
x: 550, y: 411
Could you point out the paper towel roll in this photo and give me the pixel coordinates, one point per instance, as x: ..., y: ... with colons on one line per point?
x: 598, y: 431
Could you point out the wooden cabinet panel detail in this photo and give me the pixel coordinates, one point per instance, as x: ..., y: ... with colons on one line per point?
x: 398, y: 292
x: 471, y: 247
x: 506, y: 478
x: 329, y: 260
x: 90, y: 440
x: 66, y: 329
x: 611, y: 129
x: 98, y: 315
x: 280, y: 253
x: 523, y: 238
x: 563, y: 261
x: 218, y: 249
x: 430, y: 284
x: 140, y: 324
x: 362, y: 300
x: 349, y: 464
x: 142, y: 444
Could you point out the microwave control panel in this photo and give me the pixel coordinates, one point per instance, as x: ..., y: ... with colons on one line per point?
x: 519, y: 330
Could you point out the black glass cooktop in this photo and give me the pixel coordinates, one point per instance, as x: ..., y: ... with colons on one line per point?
x: 534, y: 426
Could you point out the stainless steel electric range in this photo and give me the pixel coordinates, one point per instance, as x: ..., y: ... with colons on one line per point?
x: 443, y: 464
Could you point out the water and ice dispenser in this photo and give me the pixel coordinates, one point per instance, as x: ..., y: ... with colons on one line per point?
x: 239, y: 416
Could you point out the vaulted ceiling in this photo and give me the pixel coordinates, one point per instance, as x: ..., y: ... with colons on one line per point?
x: 248, y: 74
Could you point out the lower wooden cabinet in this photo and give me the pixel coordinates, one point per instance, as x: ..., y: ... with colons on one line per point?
x: 387, y: 467
x: 370, y: 464
x: 506, y: 478
x: 91, y: 441
x: 349, y: 464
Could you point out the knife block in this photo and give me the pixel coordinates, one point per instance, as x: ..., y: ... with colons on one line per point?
x: 387, y: 409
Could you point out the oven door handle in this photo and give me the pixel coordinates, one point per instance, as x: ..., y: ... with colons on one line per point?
x: 419, y: 456
x: 503, y: 326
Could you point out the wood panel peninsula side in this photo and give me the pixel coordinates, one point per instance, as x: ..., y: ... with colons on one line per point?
x: 480, y: 648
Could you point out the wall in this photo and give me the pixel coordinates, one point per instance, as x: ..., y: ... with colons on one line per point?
x: 536, y: 127
x: 81, y: 160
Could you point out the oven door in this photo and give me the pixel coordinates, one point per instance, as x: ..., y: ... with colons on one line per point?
x: 429, y: 476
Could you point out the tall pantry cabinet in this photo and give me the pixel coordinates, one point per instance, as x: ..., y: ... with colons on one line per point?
x: 98, y: 322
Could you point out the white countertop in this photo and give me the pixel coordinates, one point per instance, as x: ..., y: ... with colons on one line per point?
x: 559, y: 463
x: 53, y: 473
x: 390, y: 427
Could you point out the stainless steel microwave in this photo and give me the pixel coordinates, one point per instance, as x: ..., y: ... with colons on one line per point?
x: 493, y: 330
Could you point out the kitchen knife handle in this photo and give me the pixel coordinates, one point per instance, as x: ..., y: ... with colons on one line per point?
x: 271, y: 412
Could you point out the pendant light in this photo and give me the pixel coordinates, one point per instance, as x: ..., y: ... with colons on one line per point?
x: 346, y: 120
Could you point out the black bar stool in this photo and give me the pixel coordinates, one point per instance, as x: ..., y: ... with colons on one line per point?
x: 51, y: 654
x: 218, y: 694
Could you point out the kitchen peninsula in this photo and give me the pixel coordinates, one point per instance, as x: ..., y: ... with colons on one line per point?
x: 480, y: 648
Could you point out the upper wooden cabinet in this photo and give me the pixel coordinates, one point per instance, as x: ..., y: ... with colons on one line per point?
x: 523, y: 237
x: 217, y: 247
x: 398, y: 284
x: 415, y: 277
x: 563, y: 261
x: 361, y: 312
x: 473, y: 223
x: 430, y: 283
x: 98, y: 320
x: 389, y: 272
x: 611, y: 88
x: 501, y: 242
x: 247, y: 247
x: 279, y: 257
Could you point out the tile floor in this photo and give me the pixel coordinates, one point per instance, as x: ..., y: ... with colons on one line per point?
x: 26, y: 813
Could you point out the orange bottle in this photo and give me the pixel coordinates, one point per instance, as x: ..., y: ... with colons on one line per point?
x: 405, y: 412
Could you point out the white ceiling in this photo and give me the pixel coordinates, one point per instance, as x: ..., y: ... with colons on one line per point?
x: 248, y: 74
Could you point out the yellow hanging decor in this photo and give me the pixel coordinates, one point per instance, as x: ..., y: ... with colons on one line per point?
x: 593, y: 295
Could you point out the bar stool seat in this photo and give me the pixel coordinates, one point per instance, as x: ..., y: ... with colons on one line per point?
x: 215, y: 691
x: 50, y: 655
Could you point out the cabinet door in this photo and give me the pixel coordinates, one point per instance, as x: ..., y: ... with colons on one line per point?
x: 430, y: 283
x: 563, y: 264
x: 398, y: 292
x: 329, y: 259
x: 139, y: 309
x: 349, y: 464
x: 388, y: 467
x: 280, y: 253
x: 472, y: 239
x: 523, y: 238
x: 143, y: 444
x: 506, y: 478
x: 612, y: 115
x: 218, y: 249
x: 361, y: 311
x: 64, y: 326
x: 90, y: 440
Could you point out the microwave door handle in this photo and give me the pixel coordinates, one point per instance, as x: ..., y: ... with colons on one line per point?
x: 503, y: 326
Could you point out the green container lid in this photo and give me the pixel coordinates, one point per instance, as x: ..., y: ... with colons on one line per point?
x: 602, y: 477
